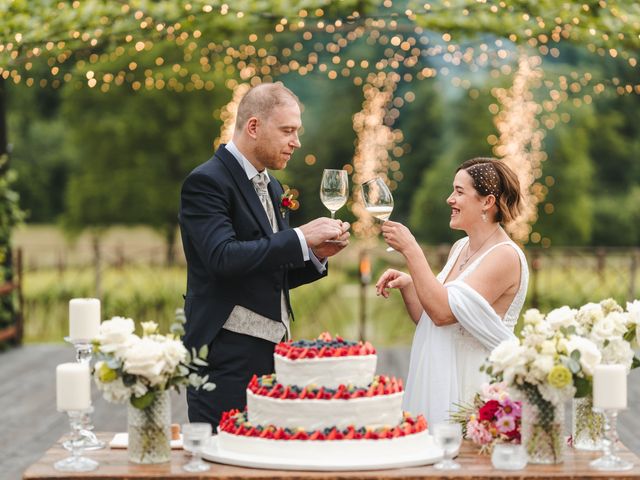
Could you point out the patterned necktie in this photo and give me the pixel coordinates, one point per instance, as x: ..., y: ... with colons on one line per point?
x: 260, y: 185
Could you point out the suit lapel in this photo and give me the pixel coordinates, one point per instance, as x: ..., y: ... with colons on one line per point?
x: 245, y: 187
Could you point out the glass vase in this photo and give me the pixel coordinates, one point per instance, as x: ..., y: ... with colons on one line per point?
x: 543, y: 431
x: 587, y: 425
x: 150, y: 431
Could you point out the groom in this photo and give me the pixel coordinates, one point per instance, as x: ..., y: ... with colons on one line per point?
x: 242, y: 256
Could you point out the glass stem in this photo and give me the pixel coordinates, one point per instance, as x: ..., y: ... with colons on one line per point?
x: 333, y: 214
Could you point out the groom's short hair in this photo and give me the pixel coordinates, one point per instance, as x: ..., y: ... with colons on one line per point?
x: 261, y: 100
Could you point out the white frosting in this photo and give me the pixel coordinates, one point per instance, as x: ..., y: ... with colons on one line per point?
x: 312, y: 414
x: 336, y: 450
x: 329, y: 372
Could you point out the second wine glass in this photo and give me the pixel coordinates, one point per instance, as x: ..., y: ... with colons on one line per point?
x: 334, y: 189
x: 378, y: 200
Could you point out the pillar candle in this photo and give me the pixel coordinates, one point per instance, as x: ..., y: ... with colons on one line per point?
x: 84, y: 318
x: 73, y: 386
x: 610, y: 387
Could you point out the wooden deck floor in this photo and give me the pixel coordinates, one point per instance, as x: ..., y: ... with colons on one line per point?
x: 30, y: 423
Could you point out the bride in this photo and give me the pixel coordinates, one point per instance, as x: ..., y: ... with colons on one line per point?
x: 473, y: 303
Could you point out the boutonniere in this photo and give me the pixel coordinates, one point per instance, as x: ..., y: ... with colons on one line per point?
x: 288, y: 200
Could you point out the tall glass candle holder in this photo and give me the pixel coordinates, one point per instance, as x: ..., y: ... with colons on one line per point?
x: 88, y: 439
x: 76, y: 462
x: 73, y: 395
x: 84, y: 324
x: 609, y: 397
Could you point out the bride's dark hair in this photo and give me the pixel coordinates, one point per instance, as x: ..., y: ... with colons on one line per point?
x: 493, y: 177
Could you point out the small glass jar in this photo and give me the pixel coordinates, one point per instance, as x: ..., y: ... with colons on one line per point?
x: 508, y: 456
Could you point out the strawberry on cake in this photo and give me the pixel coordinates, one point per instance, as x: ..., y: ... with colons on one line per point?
x: 324, y: 401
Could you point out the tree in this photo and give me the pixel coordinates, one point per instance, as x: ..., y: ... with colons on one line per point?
x: 134, y: 155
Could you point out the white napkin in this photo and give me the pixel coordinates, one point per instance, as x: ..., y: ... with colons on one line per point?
x: 121, y: 440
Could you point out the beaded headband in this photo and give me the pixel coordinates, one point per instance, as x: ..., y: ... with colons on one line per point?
x: 485, y: 179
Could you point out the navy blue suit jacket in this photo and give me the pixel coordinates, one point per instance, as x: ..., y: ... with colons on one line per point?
x: 233, y: 256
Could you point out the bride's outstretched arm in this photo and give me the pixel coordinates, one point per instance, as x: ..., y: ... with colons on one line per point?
x: 431, y: 294
x: 392, y: 278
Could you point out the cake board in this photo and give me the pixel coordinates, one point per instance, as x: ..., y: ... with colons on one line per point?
x: 431, y: 455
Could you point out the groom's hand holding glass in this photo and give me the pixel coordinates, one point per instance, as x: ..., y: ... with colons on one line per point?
x: 326, y: 236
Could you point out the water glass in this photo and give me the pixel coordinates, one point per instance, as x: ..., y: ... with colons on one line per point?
x: 447, y: 436
x: 194, y: 438
x: 508, y: 456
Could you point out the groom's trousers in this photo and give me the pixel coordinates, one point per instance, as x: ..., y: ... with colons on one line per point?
x: 233, y: 359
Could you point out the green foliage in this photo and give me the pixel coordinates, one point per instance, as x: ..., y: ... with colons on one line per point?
x: 10, y: 216
x: 469, y: 123
x: 141, y: 147
x: 570, y: 195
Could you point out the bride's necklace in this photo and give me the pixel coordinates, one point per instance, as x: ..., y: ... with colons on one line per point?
x: 466, y: 260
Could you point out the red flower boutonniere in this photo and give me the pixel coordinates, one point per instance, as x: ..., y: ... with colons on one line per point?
x: 288, y: 200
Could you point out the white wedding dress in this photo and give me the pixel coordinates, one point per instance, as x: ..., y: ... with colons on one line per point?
x: 445, y: 361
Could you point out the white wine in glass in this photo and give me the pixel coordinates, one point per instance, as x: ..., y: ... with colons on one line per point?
x: 381, y: 213
x: 334, y: 189
x: 378, y: 200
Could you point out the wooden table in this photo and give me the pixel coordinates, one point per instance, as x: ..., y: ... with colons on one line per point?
x: 114, y: 465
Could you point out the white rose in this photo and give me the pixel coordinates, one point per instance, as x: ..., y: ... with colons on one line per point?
x: 541, y: 366
x: 634, y: 311
x: 506, y: 353
x: 587, y: 315
x: 618, y: 351
x: 174, y: 353
x: 146, y: 358
x: 115, y: 334
x: 590, y: 356
x: 562, y: 317
x: 610, y: 327
x: 532, y: 317
x: 149, y: 328
x: 547, y: 347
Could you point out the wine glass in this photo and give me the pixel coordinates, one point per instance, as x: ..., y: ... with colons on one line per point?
x: 447, y: 436
x: 194, y: 438
x: 378, y: 200
x: 334, y: 189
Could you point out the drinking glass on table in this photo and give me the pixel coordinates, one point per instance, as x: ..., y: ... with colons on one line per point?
x: 194, y: 438
x: 334, y: 189
x: 447, y: 436
x: 378, y: 200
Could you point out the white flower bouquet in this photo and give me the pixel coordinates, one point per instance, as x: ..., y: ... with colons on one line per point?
x: 548, y: 365
x: 136, y: 368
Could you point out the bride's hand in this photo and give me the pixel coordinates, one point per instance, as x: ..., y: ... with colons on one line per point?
x: 397, y: 236
x: 392, y: 278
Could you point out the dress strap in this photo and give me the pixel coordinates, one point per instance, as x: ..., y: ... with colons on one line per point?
x: 457, y: 249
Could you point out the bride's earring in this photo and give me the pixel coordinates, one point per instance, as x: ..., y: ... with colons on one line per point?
x: 484, y: 216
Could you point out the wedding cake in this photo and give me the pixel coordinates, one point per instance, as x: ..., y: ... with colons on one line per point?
x: 324, y: 401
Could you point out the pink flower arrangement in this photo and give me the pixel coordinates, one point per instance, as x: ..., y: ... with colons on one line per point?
x: 492, y: 418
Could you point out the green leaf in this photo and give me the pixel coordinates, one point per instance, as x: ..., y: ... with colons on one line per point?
x: 583, y: 387
x: 575, y: 355
x: 200, y: 362
x: 204, y: 351
x: 573, y: 365
x: 143, y: 401
x: 630, y: 335
x: 635, y: 363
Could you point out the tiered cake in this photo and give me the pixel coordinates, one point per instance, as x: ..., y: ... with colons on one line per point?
x: 324, y: 401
